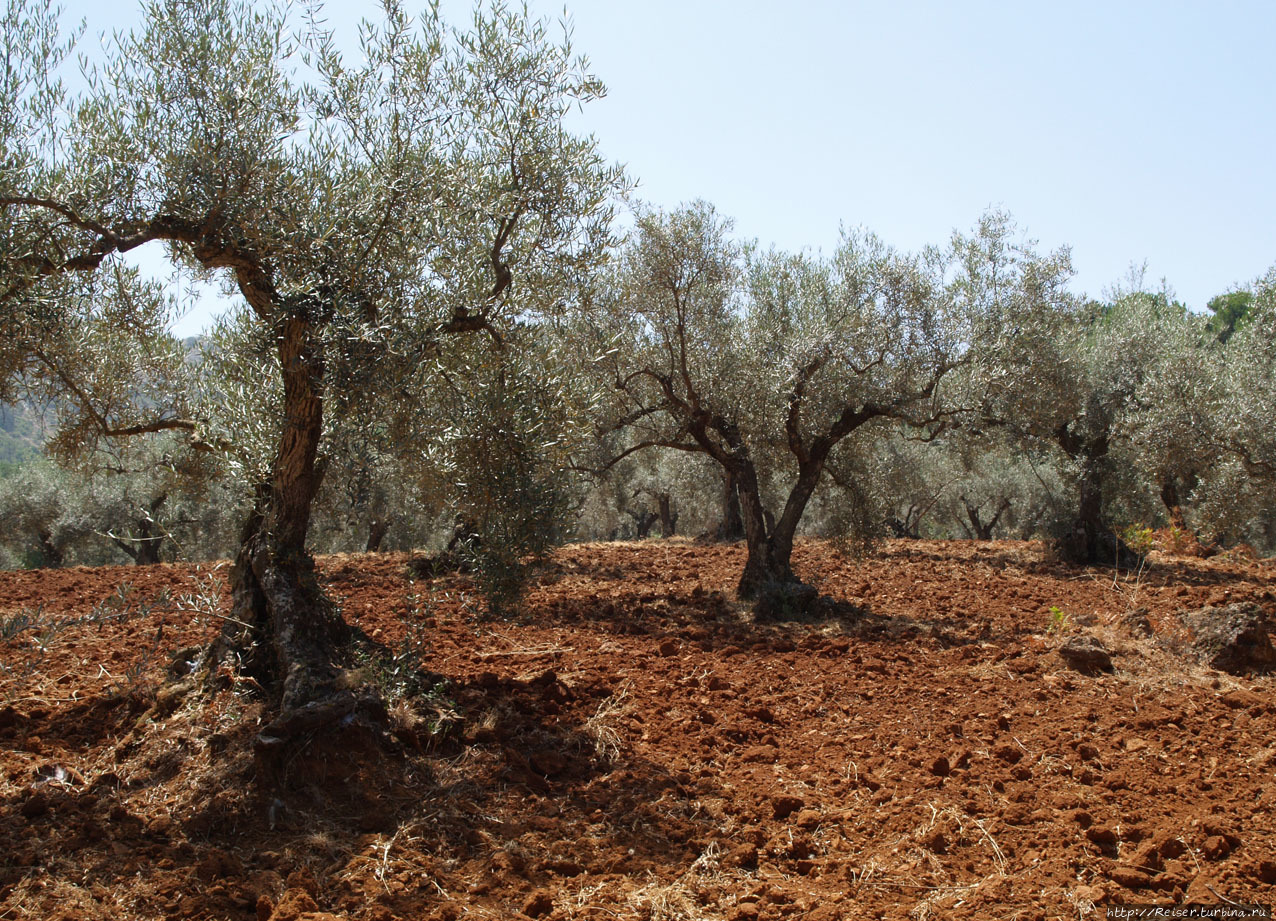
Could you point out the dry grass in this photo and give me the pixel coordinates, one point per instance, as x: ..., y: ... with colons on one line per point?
x: 600, y: 728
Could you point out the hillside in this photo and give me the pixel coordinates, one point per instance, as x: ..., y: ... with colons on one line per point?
x: 636, y: 748
x: 21, y: 438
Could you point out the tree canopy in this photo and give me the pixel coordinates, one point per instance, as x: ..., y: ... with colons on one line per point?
x: 363, y: 211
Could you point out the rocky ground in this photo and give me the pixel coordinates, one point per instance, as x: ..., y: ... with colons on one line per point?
x: 635, y: 747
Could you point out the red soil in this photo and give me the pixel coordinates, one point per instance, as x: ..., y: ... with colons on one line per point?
x: 636, y: 748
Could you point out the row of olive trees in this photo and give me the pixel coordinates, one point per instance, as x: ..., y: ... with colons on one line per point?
x: 434, y: 320
x: 784, y: 369
x: 964, y: 387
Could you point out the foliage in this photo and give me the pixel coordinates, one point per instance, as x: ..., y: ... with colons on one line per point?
x: 506, y: 435
x: 1138, y: 538
x: 766, y: 362
x: 1060, y: 621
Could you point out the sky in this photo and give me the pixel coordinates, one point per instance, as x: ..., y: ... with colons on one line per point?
x: 1136, y: 133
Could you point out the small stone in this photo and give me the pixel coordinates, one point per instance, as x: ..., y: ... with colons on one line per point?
x: 668, y: 648
x: 1087, y: 655
x: 1087, y: 752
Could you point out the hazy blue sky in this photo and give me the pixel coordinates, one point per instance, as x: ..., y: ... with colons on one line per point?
x: 1131, y: 132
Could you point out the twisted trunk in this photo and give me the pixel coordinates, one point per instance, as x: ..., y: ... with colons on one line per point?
x: 768, y: 568
x: 283, y: 632
x: 51, y: 553
x: 1091, y: 540
x: 980, y: 529
x: 668, y: 519
x: 144, y: 549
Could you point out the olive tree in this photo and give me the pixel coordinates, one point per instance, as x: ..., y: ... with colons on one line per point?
x: 45, y: 517
x: 362, y: 211
x: 1237, y: 494
x: 767, y: 362
x: 1249, y: 378
x: 1098, y: 387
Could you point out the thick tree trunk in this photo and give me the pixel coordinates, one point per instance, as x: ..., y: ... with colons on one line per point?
x: 762, y: 567
x: 1091, y: 540
x: 148, y: 547
x: 283, y: 632
x: 768, y: 569
x: 642, y: 523
x: 376, y: 534
x: 149, y: 539
x: 1173, y: 504
x: 1090, y: 511
x: 732, y: 527
x: 52, y: 554
x: 668, y: 520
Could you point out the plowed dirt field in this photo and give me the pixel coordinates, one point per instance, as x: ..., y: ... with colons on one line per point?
x: 635, y: 747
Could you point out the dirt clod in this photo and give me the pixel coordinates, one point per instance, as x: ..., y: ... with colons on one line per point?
x: 1232, y: 638
x: 540, y: 903
x: 567, y: 767
x: 1087, y: 655
x: 784, y: 806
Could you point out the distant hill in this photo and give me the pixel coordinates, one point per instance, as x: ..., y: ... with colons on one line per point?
x: 24, y: 428
x: 22, y: 436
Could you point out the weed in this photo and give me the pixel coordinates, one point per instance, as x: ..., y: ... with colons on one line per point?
x: 1138, y: 538
x: 17, y: 624
x: 1060, y: 621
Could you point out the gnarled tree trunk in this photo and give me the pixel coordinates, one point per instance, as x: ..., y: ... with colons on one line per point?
x: 283, y: 632
x: 1091, y: 540
x: 668, y: 518
x: 768, y: 570
x: 980, y: 529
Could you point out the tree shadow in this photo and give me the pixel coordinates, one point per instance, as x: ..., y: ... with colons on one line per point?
x: 532, y: 789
